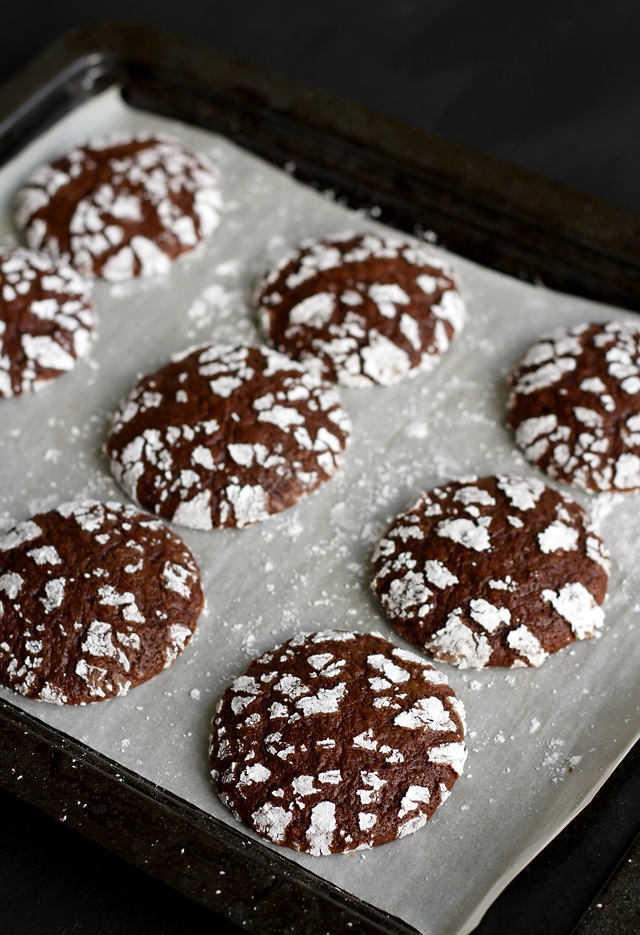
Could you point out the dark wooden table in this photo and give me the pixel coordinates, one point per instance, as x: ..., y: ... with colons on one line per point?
x: 551, y: 87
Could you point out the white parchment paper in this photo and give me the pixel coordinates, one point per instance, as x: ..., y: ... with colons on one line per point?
x: 541, y: 742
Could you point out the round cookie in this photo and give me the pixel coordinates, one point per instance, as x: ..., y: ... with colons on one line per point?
x: 120, y: 206
x: 371, y: 309
x: 336, y: 741
x: 492, y: 571
x: 226, y: 435
x: 95, y: 598
x: 46, y: 320
x: 574, y: 405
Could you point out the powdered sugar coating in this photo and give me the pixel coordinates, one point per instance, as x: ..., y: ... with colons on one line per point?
x: 227, y: 435
x: 364, y: 308
x: 120, y: 206
x: 89, y: 606
x: 574, y: 405
x: 47, y: 320
x: 525, y: 575
x: 336, y: 741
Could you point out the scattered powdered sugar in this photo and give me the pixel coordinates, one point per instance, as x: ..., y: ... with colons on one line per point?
x: 466, y: 532
x: 428, y: 712
x: 438, y: 575
x: 53, y: 594
x: 271, y: 821
x: 558, y: 536
x: 577, y: 606
x: 528, y: 645
x: 321, y: 828
x: 11, y: 584
x: 457, y: 641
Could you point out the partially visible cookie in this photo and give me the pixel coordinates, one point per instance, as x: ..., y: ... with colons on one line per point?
x: 369, y: 309
x: 226, y: 435
x: 95, y: 598
x: 46, y: 320
x: 120, y: 206
x: 574, y: 405
x: 492, y: 571
x: 336, y: 741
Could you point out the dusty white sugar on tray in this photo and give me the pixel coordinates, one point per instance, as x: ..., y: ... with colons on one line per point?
x: 540, y: 740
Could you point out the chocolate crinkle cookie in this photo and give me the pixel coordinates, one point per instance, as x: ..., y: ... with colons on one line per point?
x: 226, y: 435
x: 574, y: 405
x: 492, y: 571
x: 120, y: 206
x: 336, y: 741
x: 365, y: 308
x: 95, y: 598
x: 47, y: 320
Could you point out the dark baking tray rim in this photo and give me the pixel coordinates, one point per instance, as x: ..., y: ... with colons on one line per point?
x: 495, y: 214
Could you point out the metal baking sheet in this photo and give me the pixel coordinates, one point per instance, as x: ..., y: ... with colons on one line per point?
x: 309, y: 567
x: 541, y: 741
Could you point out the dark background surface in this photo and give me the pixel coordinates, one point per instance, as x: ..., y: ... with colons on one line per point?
x: 551, y: 87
